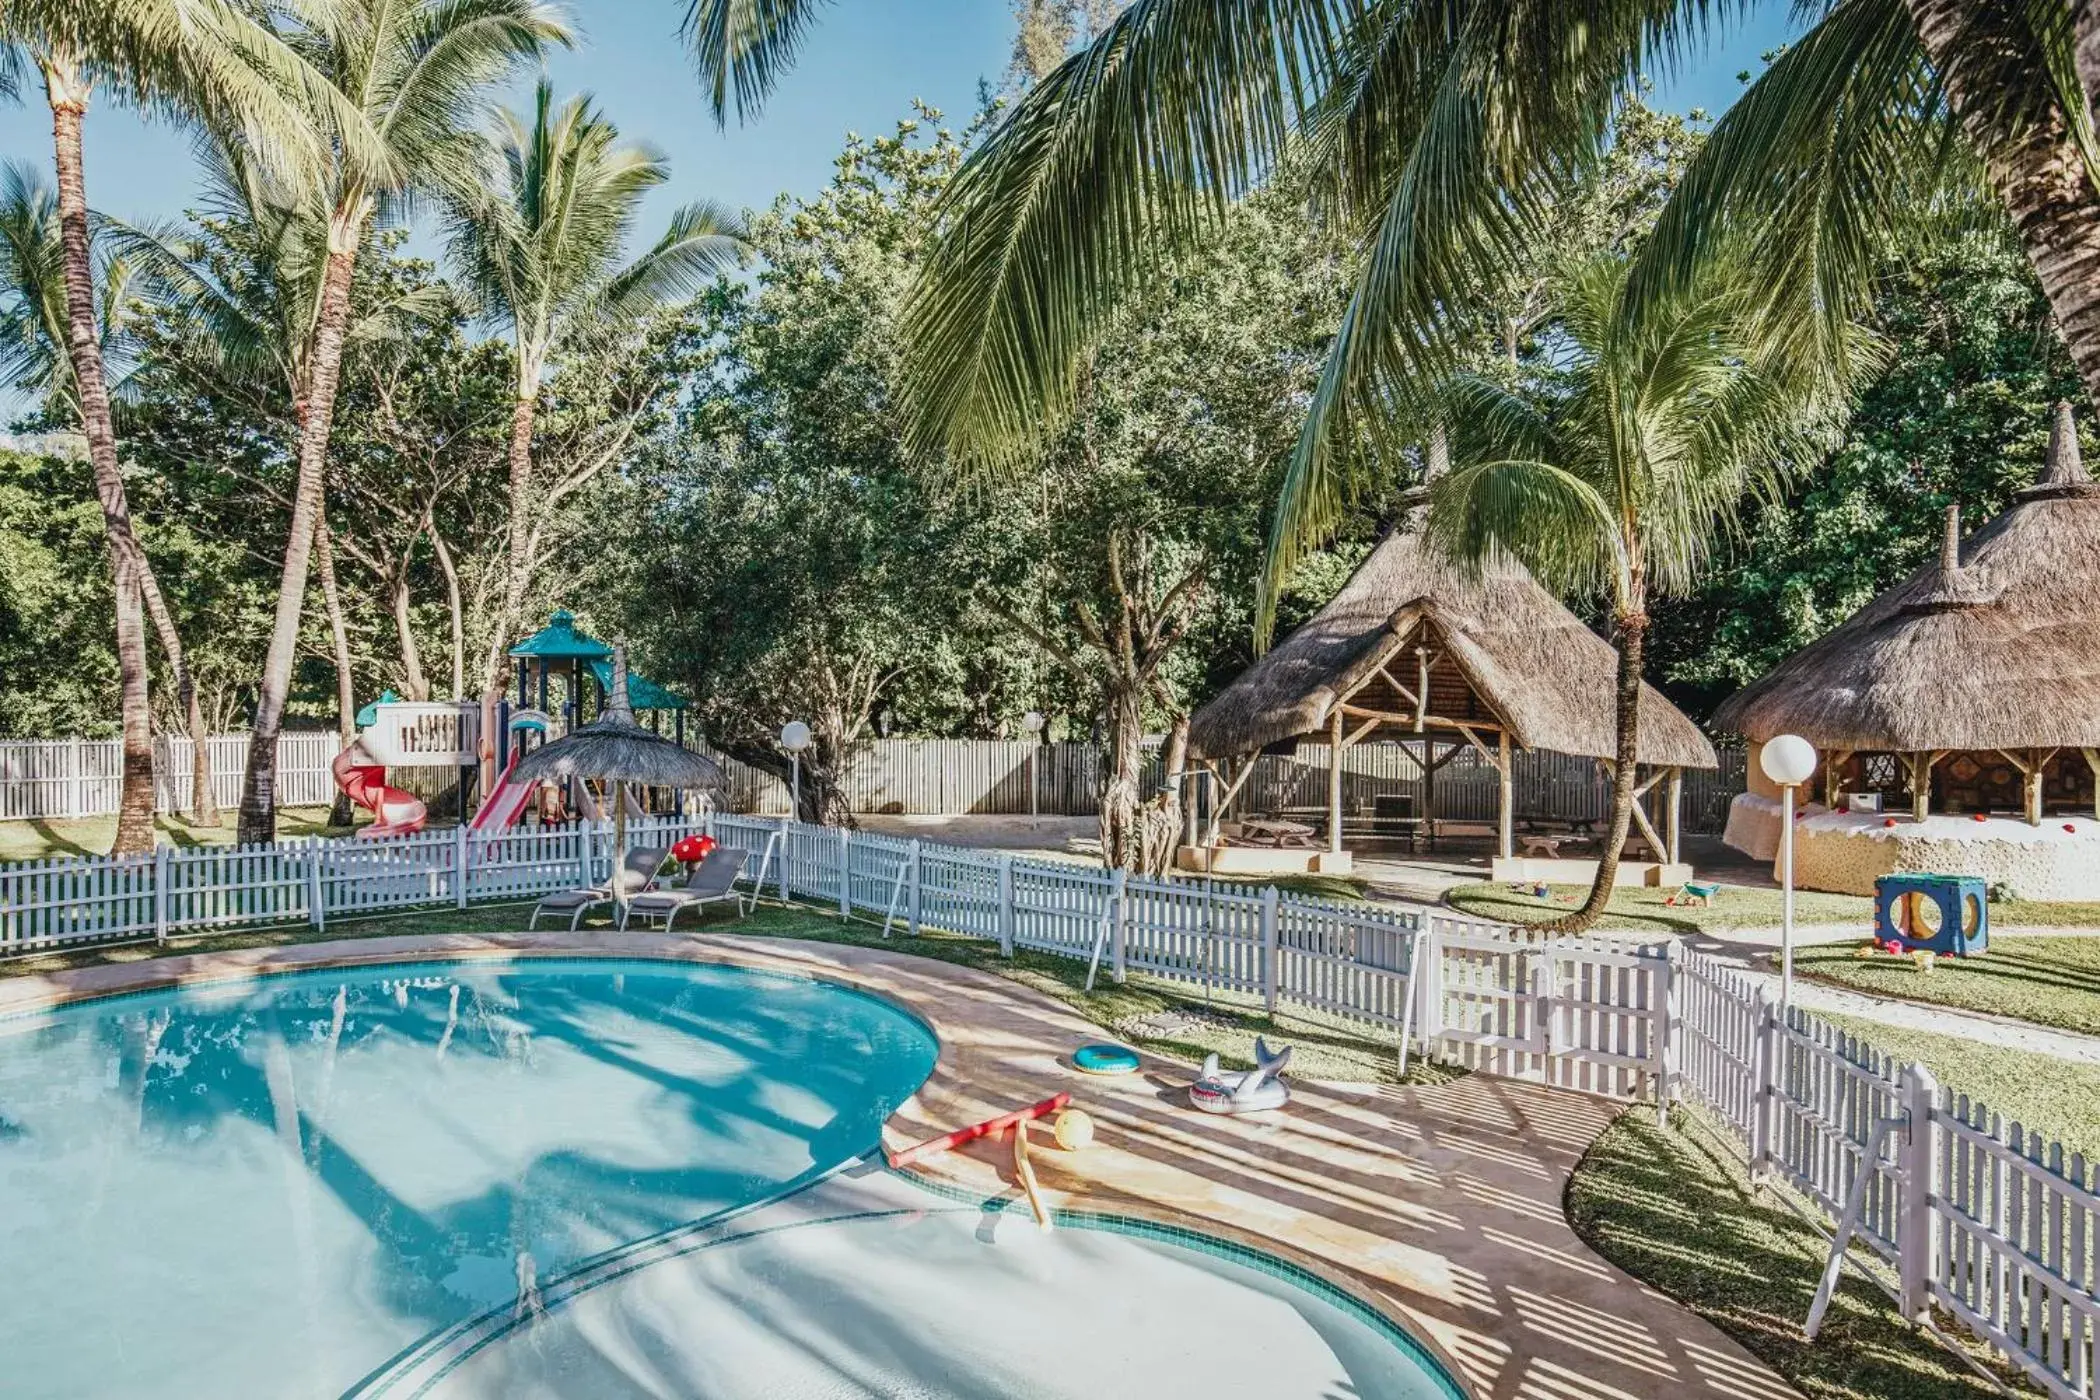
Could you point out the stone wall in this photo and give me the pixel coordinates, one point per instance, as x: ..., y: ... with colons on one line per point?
x: 1844, y: 852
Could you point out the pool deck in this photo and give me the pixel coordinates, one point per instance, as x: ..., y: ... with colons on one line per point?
x: 1439, y: 1205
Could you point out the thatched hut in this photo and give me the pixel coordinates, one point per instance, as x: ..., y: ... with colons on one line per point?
x: 1967, y: 696
x: 1419, y: 652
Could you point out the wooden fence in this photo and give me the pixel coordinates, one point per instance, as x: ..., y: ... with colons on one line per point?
x: 1975, y: 1218
x: 935, y: 777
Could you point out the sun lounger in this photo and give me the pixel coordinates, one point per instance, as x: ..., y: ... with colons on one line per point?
x: 635, y: 875
x: 713, y: 881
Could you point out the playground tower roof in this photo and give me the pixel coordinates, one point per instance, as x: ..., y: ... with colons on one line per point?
x: 560, y: 641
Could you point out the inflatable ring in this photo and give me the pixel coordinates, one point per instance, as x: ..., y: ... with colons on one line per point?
x: 1104, y: 1059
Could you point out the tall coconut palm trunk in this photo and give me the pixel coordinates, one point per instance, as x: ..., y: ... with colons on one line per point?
x: 2041, y: 177
x: 258, y: 819
x: 339, y: 814
x: 68, y: 93
x: 1633, y: 649
x: 517, y: 576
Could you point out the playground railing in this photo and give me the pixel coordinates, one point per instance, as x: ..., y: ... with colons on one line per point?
x: 1959, y: 1213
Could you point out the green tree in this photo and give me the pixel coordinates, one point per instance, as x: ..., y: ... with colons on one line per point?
x: 204, y: 58
x: 1959, y: 415
x: 538, y: 236
x: 33, y: 320
x: 1613, y: 476
x: 414, y: 75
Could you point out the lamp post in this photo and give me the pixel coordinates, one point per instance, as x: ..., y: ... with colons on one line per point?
x: 1788, y: 760
x: 1033, y: 723
x: 795, y: 737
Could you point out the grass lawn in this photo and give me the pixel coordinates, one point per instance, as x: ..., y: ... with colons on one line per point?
x: 1669, y: 1209
x: 1177, y: 1020
x: 2058, y: 1098
x: 1641, y: 908
x: 92, y: 836
x: 2050, y: 981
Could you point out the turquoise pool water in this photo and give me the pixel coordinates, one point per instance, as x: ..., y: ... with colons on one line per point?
x: 575, y: 1178
x: 268, y: 1190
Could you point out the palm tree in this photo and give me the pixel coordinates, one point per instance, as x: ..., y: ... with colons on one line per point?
x: 417, y: 73
x: 247, y: 282
x: 32, y: 357
x: 1441, y: 133
x: 204, y: 58
x: 1659, y: 417
x: 537, y: 237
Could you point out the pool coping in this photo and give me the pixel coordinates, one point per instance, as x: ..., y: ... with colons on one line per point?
x: 995, y: 1053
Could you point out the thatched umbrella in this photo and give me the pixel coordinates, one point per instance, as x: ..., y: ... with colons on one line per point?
x: 615, y: 748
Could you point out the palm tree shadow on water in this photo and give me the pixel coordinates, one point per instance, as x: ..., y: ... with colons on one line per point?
x: 375, y: 1091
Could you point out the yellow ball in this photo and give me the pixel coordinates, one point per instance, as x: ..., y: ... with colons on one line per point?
x: 1073, y: 1129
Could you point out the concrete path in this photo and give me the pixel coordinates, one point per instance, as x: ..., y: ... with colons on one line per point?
x: 1753, y: 950
x: 1438, y: 1205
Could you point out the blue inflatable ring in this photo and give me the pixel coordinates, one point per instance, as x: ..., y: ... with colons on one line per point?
x: 1104, y: 1059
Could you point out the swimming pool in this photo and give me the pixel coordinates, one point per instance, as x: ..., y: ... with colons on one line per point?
x: 465, y: 1178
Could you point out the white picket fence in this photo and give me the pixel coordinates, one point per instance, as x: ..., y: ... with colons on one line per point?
x: 66, y: 778
x: 43, y: 779
x: 1977, y: 1219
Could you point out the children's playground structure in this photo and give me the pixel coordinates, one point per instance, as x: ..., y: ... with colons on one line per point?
x: 563, y: 676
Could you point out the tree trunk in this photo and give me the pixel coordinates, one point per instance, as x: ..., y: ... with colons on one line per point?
x: 397, y: 600
x: 258, y: 821
x: 339, y: 813
x: 1122, y: 825
x: 69, y: 99
x: 517, y: 576
x: 1161, y: 813
x: 1633, y: 640
x: 2041, y: 179
x: 204, y: 803
x: 457, y: 610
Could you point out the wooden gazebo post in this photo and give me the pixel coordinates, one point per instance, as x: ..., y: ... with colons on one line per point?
x: 1505, y: 816
x: 1334, y: 780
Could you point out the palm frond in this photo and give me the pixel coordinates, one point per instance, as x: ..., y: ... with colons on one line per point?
x: 1128, y: 151
x: 742, y: 47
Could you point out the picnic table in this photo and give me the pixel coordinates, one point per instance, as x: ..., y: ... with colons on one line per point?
x: 1271, y: 832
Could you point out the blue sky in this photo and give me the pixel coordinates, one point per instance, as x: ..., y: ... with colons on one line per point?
x: 867, y: 61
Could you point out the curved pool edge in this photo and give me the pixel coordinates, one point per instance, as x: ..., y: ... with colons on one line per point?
x: 1369, y: 1189
x: 178, y: 972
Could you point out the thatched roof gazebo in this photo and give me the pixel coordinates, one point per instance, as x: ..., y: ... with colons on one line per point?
x: 615, y: 748
x: 1417, y: 650
x: 1969, y: 689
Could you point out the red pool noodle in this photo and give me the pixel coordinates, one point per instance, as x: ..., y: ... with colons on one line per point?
x: 975, y: 1131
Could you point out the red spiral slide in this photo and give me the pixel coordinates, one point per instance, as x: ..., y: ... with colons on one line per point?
x: 394, y: 812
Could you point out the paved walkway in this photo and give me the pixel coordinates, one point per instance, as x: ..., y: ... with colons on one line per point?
x: 1440, y: 1205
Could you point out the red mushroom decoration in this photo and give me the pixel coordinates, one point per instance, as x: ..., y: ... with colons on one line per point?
x: 692, y: 848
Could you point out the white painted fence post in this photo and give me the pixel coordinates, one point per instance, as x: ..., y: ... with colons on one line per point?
x: 1764, y: 1085
x: 316, y: 905
x: 1006, y: 905
x: 786, y: 849
x: 583, y: 853
x: 1918, y: 1238
x: 160, y: 893
x: 845, y: 876
x: 1665, y: 1033
x: 76, y: 780
x: 915, y: 887
x: 459, y: 866
x: 1268, y: 948
x: 1426, y: 984
x: 1119, y: 928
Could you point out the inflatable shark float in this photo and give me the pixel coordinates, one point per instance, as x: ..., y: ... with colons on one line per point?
x: 1244, y: 1091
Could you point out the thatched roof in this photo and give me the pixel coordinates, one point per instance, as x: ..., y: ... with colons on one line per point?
x: 1507, y: 648
x: 614, y: 748
x: 1994, y: 645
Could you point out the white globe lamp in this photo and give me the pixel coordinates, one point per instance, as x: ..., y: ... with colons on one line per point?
x: 1790, y: 761
x: 796, y: 737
